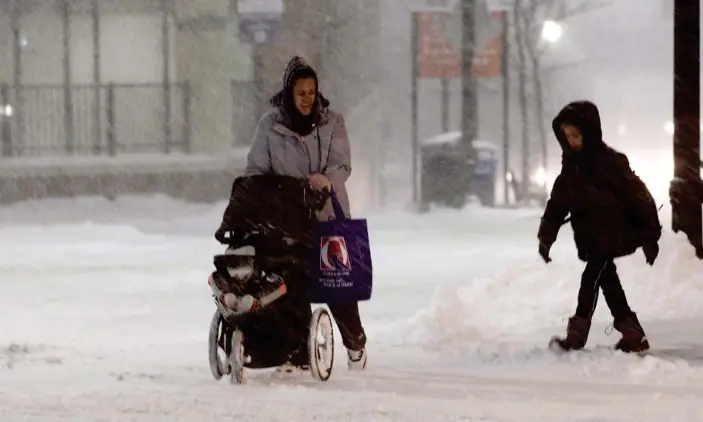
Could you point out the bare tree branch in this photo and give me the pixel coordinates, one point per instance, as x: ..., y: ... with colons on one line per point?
x: 585, y: 6
x: 529, y: 17
x: 559, y: 11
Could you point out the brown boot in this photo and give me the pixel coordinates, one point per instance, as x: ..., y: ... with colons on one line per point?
x: 633, y: 336
x: 576, y: 334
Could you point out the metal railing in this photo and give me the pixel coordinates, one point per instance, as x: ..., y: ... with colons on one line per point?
x: 111, y: 119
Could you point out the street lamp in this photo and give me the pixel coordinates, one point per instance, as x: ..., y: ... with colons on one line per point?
x: 551, y: 31
x: 669, y: 127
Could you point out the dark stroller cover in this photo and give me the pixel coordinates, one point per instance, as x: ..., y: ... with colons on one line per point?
x: 276, y: 215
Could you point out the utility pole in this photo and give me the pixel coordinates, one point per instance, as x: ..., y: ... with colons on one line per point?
x: 68, y: 128
x: 17, y: 137
x: 469, y: 106
x: 97, y: 106
x: 414, y: 100
x: 505, y: 75
x: 259, y: 77
x: 167, y: 127
x: 687, y: 215
x: 522, y: 98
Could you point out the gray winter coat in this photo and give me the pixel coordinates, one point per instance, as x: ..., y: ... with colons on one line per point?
x: 277, y: 149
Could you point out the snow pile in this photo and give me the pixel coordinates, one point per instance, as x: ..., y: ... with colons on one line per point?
x: 89, y: 246
x: 449, y: 319
x: 529, y: 294
x: 145, y: 213
x: 469, y: 221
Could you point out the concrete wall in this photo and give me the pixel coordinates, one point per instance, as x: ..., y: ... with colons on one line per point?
x: 201, y: 178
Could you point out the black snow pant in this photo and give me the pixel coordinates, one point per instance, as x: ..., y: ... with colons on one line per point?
x: 601, y: 273
x: 349, y: 323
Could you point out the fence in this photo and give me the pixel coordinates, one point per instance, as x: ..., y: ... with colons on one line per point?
x: 55, y: 120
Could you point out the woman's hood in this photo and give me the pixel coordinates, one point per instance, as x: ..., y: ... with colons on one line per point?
x: 296, y: 66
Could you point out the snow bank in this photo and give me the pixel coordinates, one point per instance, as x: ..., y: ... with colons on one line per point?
x: 92, y: 232
x: 529, y: 294
x: 134, y: 213
x: 163, y: 214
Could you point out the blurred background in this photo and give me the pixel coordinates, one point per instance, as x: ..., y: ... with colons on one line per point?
x: 142, y: 96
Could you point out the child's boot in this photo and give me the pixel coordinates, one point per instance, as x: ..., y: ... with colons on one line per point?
x: 576, y: 334
x: 633, y: 336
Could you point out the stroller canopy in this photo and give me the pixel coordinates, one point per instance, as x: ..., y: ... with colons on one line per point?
x: 272, y: 205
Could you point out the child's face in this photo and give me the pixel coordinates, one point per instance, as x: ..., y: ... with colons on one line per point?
x: 573, y: 135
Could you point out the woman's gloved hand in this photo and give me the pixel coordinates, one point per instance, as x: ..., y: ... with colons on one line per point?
x: 320, y: 181
x: 317, y: 198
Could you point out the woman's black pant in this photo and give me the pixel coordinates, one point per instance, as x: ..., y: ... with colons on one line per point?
x: 349, y: 323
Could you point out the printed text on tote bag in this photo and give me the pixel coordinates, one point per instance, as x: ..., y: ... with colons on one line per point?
x: 335, y: 263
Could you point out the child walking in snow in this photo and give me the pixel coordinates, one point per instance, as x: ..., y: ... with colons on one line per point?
x: 612, y: 215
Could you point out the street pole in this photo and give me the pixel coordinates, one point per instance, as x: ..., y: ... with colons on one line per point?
x: 469, y: 112
x: 505, y: 74
x: 414, y: 35
x: 446, y: 98
x: 687, y: 215
x: 259, y: 79
x: 522, y: 98
x: 17, y: 141
x: 97, y: 106
x: 68, y: 123
x: 166, y: 9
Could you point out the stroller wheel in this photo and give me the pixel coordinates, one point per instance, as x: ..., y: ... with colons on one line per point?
x: 218, y: 365
x: 321, y: 345
x: 237, y: 358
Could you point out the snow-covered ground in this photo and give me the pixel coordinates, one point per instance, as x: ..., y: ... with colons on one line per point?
x: 104, y: 313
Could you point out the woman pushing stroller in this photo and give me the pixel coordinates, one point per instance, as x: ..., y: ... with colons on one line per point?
x: 303, y: 138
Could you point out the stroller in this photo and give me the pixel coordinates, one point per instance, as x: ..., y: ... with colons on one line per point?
x: 263, y: 318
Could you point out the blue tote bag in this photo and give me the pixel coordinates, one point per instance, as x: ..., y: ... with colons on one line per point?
x: 340, y: 268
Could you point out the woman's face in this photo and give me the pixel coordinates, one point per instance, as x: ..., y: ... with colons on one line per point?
x: 304, y: 92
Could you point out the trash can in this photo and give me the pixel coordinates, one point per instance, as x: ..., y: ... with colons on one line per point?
x: 485, y: 170
x: 446, y: 169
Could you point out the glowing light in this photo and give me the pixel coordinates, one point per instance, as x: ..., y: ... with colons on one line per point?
x: 551, y: 31
x: 669, y: 127
x: 539, y: 177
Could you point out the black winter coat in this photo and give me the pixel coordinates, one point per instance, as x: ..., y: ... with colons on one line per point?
x: 612, y: 211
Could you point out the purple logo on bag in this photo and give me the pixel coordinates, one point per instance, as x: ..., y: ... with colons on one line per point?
x: 334, y: 255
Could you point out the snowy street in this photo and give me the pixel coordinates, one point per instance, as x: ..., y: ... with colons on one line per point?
x: 105, y: 309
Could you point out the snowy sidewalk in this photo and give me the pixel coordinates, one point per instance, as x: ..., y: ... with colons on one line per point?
x: 107, y: 320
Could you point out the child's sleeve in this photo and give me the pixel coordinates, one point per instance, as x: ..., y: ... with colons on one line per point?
x: 554, y: 213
